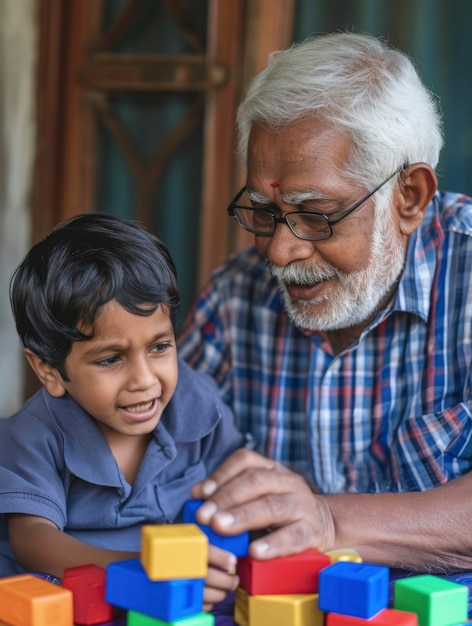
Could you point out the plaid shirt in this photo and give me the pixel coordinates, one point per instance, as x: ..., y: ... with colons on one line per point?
x: 393, y: 412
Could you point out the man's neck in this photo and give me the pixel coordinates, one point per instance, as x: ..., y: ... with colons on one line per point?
x: 344, y: 337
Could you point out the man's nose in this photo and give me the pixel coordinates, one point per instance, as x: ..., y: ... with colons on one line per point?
x: 283, y: 246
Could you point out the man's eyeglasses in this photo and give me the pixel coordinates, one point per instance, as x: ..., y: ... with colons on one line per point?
x: 304, y: 225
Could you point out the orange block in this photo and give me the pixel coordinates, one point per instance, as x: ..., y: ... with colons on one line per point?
x: 26, y: 600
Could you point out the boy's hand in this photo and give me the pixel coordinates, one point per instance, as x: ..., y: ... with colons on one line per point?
x: 221, y: 576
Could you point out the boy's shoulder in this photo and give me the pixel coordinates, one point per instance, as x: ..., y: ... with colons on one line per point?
x: 35, y: 409
x: 44, y: 417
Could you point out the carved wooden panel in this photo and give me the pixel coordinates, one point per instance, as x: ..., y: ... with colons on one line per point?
x: 81, y: 70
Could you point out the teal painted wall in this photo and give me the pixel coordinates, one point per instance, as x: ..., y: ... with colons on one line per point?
x: 436, y: 35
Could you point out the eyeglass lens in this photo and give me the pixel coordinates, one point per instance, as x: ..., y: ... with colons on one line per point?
x: 264, y: 222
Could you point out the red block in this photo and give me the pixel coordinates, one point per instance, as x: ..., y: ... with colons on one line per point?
x: 386, y: 617
x: 291, y: 574
x: 87, y: 583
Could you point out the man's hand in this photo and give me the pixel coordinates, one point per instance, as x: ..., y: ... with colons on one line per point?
x: 251, y: 492
x: 221, y: 576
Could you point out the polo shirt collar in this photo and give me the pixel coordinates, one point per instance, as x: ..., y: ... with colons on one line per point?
x: 190, y: 416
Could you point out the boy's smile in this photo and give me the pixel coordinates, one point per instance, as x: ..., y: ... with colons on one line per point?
x: 125, y: 375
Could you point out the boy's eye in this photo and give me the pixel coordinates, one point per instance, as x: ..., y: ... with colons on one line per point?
x: 108, y: 362
x: 161, y: 347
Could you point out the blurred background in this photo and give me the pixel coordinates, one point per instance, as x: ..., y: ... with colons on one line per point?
x: 128, y: 106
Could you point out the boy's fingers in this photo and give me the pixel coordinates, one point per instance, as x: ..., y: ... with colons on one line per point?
x: 222, y: 559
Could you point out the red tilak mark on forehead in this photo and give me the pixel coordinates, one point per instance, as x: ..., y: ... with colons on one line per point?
x: 275, y: 184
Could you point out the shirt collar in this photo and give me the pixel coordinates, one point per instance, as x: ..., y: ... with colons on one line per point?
x: 416, y: 284
x: 191, y: 414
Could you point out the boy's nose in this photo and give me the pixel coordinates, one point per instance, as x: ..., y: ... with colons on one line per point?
x: 141, y: 375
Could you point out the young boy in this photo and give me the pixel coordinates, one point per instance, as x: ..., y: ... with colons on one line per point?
x: 121, y: 429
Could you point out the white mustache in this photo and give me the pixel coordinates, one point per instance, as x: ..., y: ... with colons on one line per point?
x: 295, y: 274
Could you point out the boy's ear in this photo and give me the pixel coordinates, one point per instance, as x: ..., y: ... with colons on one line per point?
x: 47, y: 374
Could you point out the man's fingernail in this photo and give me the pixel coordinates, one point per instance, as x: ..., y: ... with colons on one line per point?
x: 225, y: 520
x: 209, y: 487
x: 206, y: 512
x: 260, y: 548
x: 235, y: 583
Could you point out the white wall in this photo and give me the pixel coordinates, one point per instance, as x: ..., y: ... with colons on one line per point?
x: 18, y: 41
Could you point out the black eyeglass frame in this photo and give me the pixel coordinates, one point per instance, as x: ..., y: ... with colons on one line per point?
x: 283, y: 220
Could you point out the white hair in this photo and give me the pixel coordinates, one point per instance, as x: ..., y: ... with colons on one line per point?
x: 358, y: 85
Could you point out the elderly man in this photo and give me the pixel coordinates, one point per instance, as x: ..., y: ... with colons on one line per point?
x: 342, y: 339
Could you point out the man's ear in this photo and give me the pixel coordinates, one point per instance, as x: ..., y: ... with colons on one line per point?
x: 47, y: 374
x: 418, y: 184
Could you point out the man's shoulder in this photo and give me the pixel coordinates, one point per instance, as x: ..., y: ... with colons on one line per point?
x: 245, y: 263
x: 243, y: 277
x: 455, y: 212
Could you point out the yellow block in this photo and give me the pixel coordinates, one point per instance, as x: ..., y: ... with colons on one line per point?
x: 241, y: 607
x: 281, y: 610
x: 31, y: 601
x: 344, y: 554
x: 174, y: 551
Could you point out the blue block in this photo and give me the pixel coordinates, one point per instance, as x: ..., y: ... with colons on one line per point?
x: 237, y: 544
x: 355, y: 589
x: 128, y: 587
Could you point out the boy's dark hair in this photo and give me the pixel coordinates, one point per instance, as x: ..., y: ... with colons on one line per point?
x: 85, y: 262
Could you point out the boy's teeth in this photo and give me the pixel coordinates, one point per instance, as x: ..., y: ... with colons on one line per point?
x: 139, y: 408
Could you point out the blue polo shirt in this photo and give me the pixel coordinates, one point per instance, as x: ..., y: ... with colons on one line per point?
x: 56, y: 463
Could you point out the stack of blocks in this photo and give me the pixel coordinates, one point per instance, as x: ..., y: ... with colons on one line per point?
x: 305, y: 590
x: 164, y: 587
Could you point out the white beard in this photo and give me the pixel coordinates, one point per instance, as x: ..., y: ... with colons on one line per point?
x: 356, y: 294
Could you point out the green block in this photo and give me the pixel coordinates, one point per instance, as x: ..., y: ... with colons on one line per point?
x: 437, y: 602
x: 199, y: 619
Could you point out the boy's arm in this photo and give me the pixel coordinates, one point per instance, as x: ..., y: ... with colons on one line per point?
x: 39, y: 546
